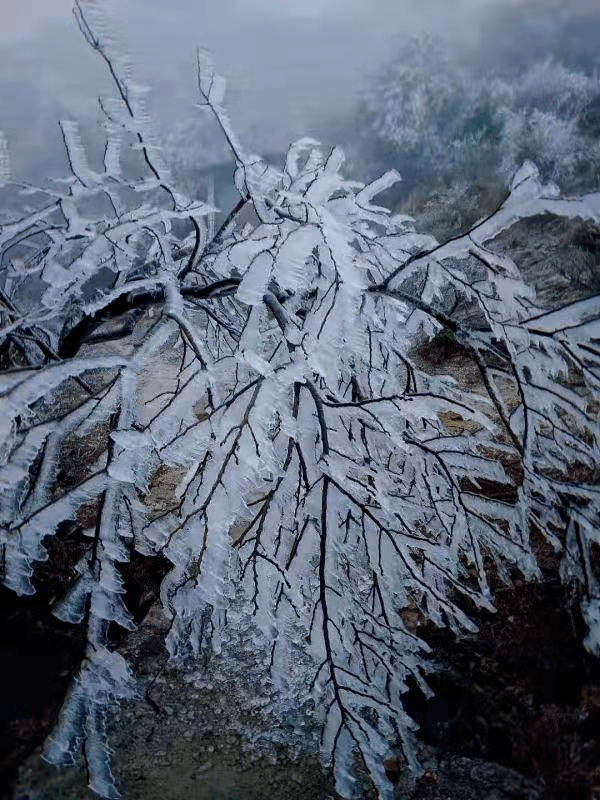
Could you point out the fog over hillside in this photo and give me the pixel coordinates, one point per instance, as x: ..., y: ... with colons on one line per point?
x: 292, y: 68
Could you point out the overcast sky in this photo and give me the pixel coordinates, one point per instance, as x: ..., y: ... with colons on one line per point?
x: 290, y: 64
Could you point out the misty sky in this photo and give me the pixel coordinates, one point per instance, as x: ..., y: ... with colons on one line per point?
x: 290, y: 65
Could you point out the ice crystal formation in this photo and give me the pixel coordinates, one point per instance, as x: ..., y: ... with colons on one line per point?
x: 318, y: 474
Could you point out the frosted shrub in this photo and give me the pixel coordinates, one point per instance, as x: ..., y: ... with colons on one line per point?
x: 437, y: 119
x: 318, y: 478
x: 428, y: 115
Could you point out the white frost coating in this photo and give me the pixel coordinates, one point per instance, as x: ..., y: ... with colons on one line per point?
x: 290, y: 268
x: 294, y: 154
x: 104, y: 676
x: 4, y: 160
x: 591, y: 615
x: 255, y: 282
x: 570, y: 317
x: 364, y: 197
x: 77, y: 157
x: 276, y: 434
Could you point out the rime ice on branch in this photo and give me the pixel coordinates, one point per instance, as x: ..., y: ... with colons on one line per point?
x: 319, y: 473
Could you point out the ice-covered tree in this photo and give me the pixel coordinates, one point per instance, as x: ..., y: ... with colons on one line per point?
x: 322, y: 469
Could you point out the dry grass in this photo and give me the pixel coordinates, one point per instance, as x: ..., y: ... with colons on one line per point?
x: 78, y: 454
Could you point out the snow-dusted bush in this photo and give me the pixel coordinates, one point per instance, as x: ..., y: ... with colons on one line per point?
x: 319, y: 477
x: 427, y: 115
x: 436, y: 118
